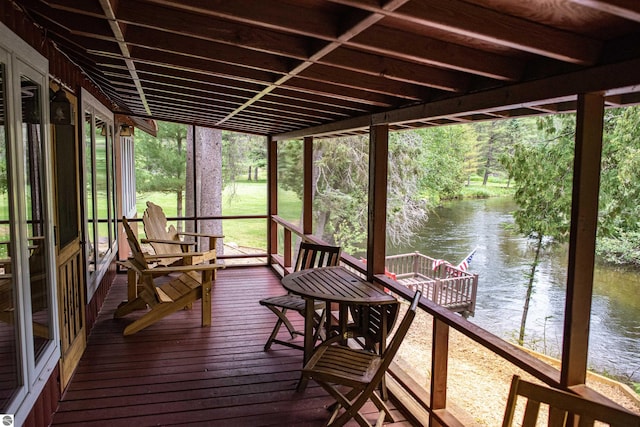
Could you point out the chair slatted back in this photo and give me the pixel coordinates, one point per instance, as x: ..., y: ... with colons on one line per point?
x: 394, y: 345
x: 403, y: 328
x: 561, y: 404
x: 155, y: 227
x: 368, y: 321
x: 134, y: 245
x: 311, y: 255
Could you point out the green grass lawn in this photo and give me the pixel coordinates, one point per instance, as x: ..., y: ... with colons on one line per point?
x: 245, y: 198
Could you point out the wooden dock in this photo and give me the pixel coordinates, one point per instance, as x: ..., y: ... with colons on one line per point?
x: 443, y: 284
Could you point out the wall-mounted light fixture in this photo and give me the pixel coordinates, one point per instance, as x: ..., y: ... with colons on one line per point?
x: 61, y: 113
x: 125, y: 130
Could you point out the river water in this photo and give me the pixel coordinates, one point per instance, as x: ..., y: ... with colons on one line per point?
x: 502, y: 260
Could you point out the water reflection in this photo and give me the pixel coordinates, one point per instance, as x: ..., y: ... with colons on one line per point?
x: 502, y: 261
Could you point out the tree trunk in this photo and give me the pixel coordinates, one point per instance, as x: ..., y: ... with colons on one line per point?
x: 190, y: 181
x: 525, y: 310
x: 179, y: 209
x: 249, y: 176
x: 255, y: 173
x: 489, y: 163
x: 209, y: 160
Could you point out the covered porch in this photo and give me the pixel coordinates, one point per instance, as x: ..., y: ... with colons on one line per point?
x: 178, y: 373
x: 286, y: 70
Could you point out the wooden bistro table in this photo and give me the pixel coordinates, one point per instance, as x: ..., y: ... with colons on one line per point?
x: 332, y: 284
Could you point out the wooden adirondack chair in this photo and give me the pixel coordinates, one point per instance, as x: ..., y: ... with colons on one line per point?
x: 192, y: 282
x: 167, y: 241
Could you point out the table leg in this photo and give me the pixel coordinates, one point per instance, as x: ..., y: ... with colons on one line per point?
x: 343, y: 318
x: 384, y: 395
x: 309, y: 311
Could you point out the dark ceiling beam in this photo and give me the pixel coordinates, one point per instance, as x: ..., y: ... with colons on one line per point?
x: 394, y: 69
x: 204, y: 49
x: 627, y: 9
x: 231, y: 72
x: 355, y: 28
x: 414, y: 48
x: 181, y: 76
x: 344, y: 93
x: 82, y: 7
x: 468, y: 20
x: 557, y: 89
x: 289, y: 94
x: 225, y: 90
x: 358, y: 81
x: 204, y: 27
x: 265, y: 14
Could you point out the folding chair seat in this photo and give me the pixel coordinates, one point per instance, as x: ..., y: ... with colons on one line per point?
x: 336, y: 367
x: 310, y: 255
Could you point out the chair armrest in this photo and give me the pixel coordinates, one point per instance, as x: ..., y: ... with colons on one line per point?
x: 174, y: 255
x: 186, y: 268
x: 168, y: 242
x: 188, y: 233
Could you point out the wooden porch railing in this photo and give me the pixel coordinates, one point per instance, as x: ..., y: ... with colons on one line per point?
x: 434, y: 401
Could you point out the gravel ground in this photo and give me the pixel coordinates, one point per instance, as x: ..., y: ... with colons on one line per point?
x: 479, y: 380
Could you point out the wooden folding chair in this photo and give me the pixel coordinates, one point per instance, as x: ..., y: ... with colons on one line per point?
x: 192, y: 282
x: 336, y: 367
x: 561, y: 406
x: 310, y: 255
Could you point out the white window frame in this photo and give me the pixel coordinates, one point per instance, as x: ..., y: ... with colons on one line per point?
x: 91, y: 105
x: 20, y: 59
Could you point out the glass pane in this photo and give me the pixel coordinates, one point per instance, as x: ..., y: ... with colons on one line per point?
x: 91, y: 253
x: 111, y: 191
x: 100, y: 186
x: 290, y: 180
x: 340, y: 195
x: 244, y: 174
x: 10, y: 378
x: 34, y: 194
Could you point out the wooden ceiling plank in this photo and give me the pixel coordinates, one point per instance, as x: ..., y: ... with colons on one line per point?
x: 481, y: 23
x: 292, y: 93
x: 161, y: 72
x: 359, y: 81
x: 422, y: 50
x: 70, y: 21
x: 349, y: 94
x: 197, y: 65
x: 271, y: 15
x: 627, y: 9
x: 204, y: 27
x: 395, y: 69
x: 348, y: 33
x: 203, y: 49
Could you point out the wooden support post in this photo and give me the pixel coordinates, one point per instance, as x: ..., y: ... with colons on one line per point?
x: 582, y: 241
x: 377, y: 209
x: 287, y: 250
x: 439, y: 368
x: 307, y: 202
x: 272, y: 201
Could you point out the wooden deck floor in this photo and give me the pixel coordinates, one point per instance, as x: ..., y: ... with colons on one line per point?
x: 178, y: 373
